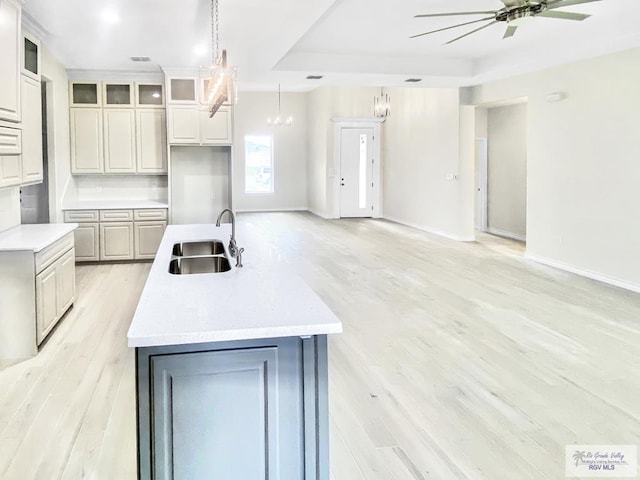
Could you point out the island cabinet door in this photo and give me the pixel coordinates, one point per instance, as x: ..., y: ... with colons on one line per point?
x: 229, y: 414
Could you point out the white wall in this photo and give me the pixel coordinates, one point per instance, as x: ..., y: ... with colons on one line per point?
x: 507, y: 170
x: 422, y: 145
x: 110, y: 187
x: 289, y: 150
x: 583, y: 201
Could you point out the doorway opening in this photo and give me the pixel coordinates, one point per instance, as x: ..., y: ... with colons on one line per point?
x: 34, y: 199
x: 501, y: 170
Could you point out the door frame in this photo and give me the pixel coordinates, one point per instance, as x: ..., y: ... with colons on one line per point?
x: 333, y: 174
x: 482, y: 182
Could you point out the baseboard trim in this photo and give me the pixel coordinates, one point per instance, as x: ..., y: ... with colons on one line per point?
x: 326, y: 216
x: 266, y: 210
x: 440, y: 233
x: 583, y: 273
x: 503, y: 233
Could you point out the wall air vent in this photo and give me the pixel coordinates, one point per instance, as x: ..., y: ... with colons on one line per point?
x: 140, y: 59
x: 314, y: 77
x: 413, y: 80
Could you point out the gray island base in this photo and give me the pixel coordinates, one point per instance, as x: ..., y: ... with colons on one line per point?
x: 231, y: 368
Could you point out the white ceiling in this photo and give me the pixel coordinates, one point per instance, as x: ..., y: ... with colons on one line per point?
x: 355, y: 42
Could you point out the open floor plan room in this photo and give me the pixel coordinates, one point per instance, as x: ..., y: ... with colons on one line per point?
x: 457, y: 361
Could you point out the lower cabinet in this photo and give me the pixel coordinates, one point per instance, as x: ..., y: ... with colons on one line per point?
x: 117, y: 235
x: 253, y: 409
x: 55, y: 293
x: 116, y: 241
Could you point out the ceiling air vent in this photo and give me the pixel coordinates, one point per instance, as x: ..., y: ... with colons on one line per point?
x: 140, y: 59
x: 413, y: 80
x: 314, y: 77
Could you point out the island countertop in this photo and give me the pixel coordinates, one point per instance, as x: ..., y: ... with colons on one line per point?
x: 263, y: 299
x: 34, y: 237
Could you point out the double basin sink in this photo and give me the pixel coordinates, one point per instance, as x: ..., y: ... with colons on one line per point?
x: 206, y: 256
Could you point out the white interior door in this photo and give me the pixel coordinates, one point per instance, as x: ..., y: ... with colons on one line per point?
x: 356, y: 172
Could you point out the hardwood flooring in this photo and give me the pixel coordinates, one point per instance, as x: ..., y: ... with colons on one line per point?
x: 457, y: 361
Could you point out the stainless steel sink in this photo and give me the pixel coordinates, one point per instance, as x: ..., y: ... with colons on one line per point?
x: 191, y: 249
x: 191, y: 265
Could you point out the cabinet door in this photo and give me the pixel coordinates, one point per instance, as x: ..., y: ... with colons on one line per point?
x: 86, y: 140
x: 65, y: 281
x: 119, y: 141
x: 85, y: 94
x: 10, y: 170
x: 182, y: 90
x: 232, y: 414
x: 86, y: 242
x: 118, y: 95
x: 217, y: 129
x: 31, y: 59
x: 10, y: 60
x: 116, y: 241
x: 31, y: 131
x: 149, y: 95
x: 151, y: 135
x: 46, y: 302
x: 147, y: 239
x: 183, y: 125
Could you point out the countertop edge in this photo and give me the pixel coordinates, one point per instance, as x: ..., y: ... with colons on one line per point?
x: 61, y: 229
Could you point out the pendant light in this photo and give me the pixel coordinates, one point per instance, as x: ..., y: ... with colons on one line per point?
x: 222, y: 87
x: 382, y: 104
x: 278, y: 121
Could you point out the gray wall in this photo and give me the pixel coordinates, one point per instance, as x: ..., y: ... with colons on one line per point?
x: 507, y: 170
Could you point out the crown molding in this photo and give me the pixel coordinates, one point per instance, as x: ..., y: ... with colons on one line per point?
x: 115, y: 75
x: 32, y: 26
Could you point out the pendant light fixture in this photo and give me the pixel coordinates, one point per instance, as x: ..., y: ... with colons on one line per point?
x: 278, y: 121
x: 382, y: 104
x: 222, y: 87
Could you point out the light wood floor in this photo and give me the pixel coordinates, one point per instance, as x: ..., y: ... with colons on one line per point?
x: 458, y: 361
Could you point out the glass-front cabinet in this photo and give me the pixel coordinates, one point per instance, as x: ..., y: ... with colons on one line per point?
x: 31, y: 57
x: 149, y: 95
x: 85, y: 94
x: 182, y: 90
x: 118, y: 95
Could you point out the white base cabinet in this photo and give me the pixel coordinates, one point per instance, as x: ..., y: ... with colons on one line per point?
x: 36, y: 290
x: 117, y: 235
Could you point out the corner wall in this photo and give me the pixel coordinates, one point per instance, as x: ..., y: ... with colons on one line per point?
x: 583, y: 186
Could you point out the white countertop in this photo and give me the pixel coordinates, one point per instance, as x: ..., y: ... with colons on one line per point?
x: 114, y: 204
x: 264, y: 299
x: 34, y: 237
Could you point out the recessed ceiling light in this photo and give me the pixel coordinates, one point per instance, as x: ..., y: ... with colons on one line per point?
x: 200, y: 50
x: 110, y: 16
x: 314, y: 77
x: 413, y: 80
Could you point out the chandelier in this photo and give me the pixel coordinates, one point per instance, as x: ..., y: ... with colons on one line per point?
x: 382, y: 104
x: 222, y: 87
x: 278, y: 121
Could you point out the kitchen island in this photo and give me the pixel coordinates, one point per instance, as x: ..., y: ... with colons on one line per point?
x: 231, y: 366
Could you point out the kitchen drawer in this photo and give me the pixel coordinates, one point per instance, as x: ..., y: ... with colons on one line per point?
x: 149, y: 214
x: 46, y: 257
x: 10, y: 141
x: 116, y: 215
x: 81, y: 216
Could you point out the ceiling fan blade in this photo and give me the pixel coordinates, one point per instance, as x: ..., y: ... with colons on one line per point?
x: 564, y: 15
x: 567, y: 3
x: 472, y: 31
x: 425, y: 15
x: 509, y: 32
x: 452, y: 26
x: 513, y: 3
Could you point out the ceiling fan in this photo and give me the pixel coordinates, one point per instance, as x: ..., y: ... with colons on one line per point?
x: 512, y: 14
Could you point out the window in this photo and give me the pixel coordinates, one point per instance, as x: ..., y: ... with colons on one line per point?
x: 258, y: 172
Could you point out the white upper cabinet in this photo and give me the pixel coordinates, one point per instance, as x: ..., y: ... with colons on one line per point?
x: 119, y: 141
x: 149, y: 95
x: 217, y: 129
x: 118, y: 95
x: 32, y: 170
x: 183, y: 125
x: 10, y: 38
x: 85, y: 94
x: 151, y: 141
x: 87, y: 154
x: 31, y: 62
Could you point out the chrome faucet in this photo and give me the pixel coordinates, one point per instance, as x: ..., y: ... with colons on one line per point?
x: 233, y: 247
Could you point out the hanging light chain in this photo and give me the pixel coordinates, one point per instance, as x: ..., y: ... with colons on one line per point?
x: 215, y: 32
